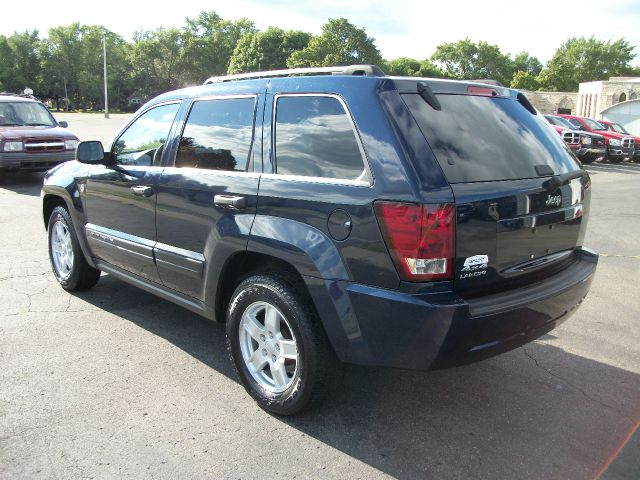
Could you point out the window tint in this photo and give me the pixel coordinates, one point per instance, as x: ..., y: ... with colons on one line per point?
x: 218, y: 135
x: 315, y: 137
x: 479, y: 139
x: 143, y: 141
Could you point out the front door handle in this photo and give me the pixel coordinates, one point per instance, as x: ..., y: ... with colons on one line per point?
x: 230, y: 201
x: 142, y: 190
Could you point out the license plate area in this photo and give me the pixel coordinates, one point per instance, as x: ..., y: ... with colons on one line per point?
x: 530, y: 237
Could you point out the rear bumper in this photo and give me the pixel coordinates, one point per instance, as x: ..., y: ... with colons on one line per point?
x: 34, y: 161
x: 430, y: 331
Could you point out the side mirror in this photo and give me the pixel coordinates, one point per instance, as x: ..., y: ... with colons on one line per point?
x: 63, y: 124
x: 91, y: 152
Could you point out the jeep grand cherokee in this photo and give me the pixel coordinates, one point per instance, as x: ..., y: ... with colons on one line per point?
x: 334, y: 215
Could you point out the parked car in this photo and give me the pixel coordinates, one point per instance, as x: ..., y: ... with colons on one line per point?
x: 587, y: 146
x: 619, y: 146
x: 334, y: 215
x: 616, y: 127
x: 30, y: 137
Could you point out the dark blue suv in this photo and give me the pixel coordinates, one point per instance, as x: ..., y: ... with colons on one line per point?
x: 334, y: 215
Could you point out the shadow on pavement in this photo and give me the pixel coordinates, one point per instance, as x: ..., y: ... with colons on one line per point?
x: 536, y: 412
x: 23, y: 183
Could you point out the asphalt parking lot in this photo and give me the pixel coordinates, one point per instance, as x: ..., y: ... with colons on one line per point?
x: 115, y: 383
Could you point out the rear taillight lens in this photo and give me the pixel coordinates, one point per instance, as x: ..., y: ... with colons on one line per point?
x: 420, y: 238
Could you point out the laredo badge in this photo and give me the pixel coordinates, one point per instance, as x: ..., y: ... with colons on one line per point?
x: 475, y: 266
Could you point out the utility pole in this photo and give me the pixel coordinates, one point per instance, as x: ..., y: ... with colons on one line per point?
x: 104, y: 58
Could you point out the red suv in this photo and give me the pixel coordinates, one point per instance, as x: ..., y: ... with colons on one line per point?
x: 616, y: 127
x: 619, y: 146
x: 30, y: 138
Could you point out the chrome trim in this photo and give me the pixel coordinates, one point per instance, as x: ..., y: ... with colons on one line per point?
x: 213, y: 173
x: 537, y: 263
x: 139, y: 246
x: 363, y: 153
x: 320, y: 180
x: 44, y: 144
x: 179, y: 260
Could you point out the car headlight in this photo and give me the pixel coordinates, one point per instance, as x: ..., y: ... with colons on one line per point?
x: 614, y: 142
x: 70, y: 144
x: 585, y: 140
x: 13, y: 146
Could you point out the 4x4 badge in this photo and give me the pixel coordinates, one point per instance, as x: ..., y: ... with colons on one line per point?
x: 475, y: 266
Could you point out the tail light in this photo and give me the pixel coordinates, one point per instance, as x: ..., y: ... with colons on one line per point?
x: 420, y: 238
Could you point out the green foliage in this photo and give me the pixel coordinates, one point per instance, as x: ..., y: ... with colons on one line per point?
x: 522, y: 62
x: 467, y: 60
x: 159, y: 60
x: 524, y: 81
x: 209, y: 42
x: 340, y: 43
x: 584, y: 60
x: 268, y: 50
x: 410, y: 67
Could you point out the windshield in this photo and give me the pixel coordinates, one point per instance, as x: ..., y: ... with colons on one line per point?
x: 478, y: 139
x: 561, y: 122
x: 593, y: 125
x: 619, y: 128
x: 25, y: 113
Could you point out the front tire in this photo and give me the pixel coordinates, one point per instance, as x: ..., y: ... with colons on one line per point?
x: 67, y: 260
x: 277, y: 345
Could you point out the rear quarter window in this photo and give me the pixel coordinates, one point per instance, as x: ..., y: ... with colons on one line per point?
x: 478, y: 139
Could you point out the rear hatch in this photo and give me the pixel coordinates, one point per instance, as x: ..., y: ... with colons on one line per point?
x: 521, y: 198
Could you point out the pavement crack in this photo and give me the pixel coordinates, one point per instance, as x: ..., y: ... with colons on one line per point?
x: 577, y: 388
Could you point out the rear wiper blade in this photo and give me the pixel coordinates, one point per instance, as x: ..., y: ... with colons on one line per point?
x: 558, y: 180
x: 428, y: 96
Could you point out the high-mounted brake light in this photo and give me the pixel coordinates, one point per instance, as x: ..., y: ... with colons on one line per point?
x: 482, y: 91
x: 420, y: 238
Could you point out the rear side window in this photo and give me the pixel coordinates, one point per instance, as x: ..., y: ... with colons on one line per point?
x: 218, y: 135
x: 477, y: 139
x: 315, y: 137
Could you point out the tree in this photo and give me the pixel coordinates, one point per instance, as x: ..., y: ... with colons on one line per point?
x: 268, y: 50
x: 522, y: 62
x: 20, y: 66
x: 209, y: 42
x: 467, y: 60
x: 524, y: 81
x: 157, y: 59
x: 410, y: 67
x: 62, y: 56
x: 340, y: 43
x: 584, y: 60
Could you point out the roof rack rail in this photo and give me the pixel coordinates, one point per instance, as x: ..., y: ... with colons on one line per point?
x: 23, y: 95
x: 362, y: 70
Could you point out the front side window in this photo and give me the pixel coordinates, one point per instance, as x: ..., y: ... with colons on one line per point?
x: 142, y: 143
x: 314, y: 137
x: 218, y: 135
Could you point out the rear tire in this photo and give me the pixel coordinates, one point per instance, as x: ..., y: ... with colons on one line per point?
x: 277, y: 345
x: 67, y: 260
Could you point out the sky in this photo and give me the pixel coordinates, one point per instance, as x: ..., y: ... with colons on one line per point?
x: 410, y: 28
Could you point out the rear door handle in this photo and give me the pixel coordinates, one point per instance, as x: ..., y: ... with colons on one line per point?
x: 142, y: 190
x: 230, y: 201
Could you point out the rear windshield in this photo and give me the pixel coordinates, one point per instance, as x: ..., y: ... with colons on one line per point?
x: 479, y: 139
